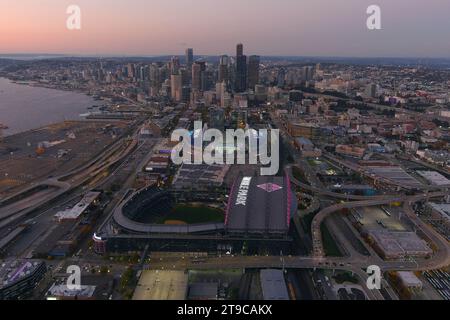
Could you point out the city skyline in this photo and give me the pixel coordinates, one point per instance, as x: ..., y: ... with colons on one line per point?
x: 238, y: 151
x: 289, y: 28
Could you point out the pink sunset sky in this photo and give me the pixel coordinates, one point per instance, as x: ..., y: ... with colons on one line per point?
x: 410, y: 28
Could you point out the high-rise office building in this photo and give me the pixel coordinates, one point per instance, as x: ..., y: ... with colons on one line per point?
x: 222, y: 93
x: 130, y: 70
x: 189, y: 57
x: 307, y: 73
x: 221, y: 89
x: 196, y: 77
x: 155, y: 79
x: 239, y: 49
x: 253, y: 71
x: 174, y: 65
x: 241, y: 69
x: 198, y: 69
x: 281, y: 78
x: 185, y: 93
x: 207, y: 77
x: 371, y: 90
x: 143, y: 73
x: 154, y: 74
x: 223, y: 69
x: 176, y: 85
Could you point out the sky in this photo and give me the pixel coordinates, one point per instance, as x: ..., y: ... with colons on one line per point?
x: 410, y: 28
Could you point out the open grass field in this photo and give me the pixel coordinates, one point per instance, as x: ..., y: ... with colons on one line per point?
x: 329, y: 245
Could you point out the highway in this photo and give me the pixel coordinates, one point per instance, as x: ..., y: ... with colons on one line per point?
x: 373, y: 201
x: 320, y: 217
x: 65, y: 183
x: 354, y: 262
x: 325, y: 192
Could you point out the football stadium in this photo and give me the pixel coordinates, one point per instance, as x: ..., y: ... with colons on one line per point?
x: 256, y: 216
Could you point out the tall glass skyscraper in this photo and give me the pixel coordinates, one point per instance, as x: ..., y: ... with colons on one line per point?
x: 253, y: 71
x: 241, y: 69
x: 189, y: 57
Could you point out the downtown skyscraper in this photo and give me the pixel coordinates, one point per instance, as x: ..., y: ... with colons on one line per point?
x: 189, y: 57
x: 241, y: 69
x: 253, y: 71
x: 223, y: 74
x: 198, y: 74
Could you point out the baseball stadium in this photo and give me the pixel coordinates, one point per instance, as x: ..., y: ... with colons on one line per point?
x: 256, y: 216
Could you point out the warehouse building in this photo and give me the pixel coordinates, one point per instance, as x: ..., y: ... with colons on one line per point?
x: 273, y: 285
x: 18, y: 278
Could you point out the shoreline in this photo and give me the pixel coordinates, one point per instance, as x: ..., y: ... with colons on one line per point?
x: 37, y: 84
x: 29, y: 131
x: 34, y: 84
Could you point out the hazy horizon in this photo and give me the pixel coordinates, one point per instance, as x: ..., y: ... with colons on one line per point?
x: 291, y: 28
x: 16, y: 55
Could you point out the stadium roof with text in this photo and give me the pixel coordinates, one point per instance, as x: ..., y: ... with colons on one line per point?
x: 260, y: 205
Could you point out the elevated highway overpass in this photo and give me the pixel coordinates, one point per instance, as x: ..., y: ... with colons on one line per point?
x: 441, y: 257
x: 325, y: 192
